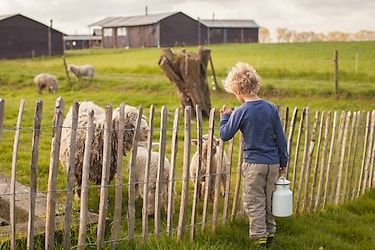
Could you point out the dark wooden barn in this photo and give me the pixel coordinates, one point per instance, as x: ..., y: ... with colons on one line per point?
x: 228, y: 31
x: 22, y: 37
x: 149, y: 30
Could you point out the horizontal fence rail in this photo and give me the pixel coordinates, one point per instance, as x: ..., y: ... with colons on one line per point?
x: 331, y: 161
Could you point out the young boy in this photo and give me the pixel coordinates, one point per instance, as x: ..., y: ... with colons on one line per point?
x: 264, y: 148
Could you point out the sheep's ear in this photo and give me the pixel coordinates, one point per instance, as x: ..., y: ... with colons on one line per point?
x: 194, y: 142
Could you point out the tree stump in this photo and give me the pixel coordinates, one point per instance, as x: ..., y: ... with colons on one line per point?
x: 188, y: 72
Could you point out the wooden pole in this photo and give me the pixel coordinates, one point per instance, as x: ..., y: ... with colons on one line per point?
x: 160, y: 173
x: 118, y: 189
x: 34, y: 173
x: 171, y: 188
x: 238, y: 179
x: 197, y: 180
x: 336, y: 72
x: 2, y: 107
x: 85, y: 180
x: 70, y: 179
x: 208, y: 188
x: 107, y: 151
x: 324, y: 159
x: 14, y: 176
x: 185, y: 175
x: 330, y: 159
x: 147, y: 174
x: 52, y: 178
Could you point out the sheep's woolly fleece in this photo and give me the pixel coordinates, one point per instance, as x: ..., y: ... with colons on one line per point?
x: 96, y: 157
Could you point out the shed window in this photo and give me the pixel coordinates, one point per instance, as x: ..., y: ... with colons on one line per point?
x: 121, y: 31
x: 107, y: 32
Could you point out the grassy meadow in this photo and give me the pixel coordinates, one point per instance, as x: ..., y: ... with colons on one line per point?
x: 293, y: 75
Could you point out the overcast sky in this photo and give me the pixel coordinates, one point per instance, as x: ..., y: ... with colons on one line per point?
x: 319, y: 16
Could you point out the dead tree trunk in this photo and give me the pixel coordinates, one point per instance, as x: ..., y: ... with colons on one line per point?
x: 188, y: 72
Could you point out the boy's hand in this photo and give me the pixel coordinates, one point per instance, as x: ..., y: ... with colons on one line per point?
x: 225, y: 110
x: 282, y: 170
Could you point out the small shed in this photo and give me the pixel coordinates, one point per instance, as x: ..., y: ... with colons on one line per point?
x: 22, y: 37
x: 149, y: 30
x: 229, y: 31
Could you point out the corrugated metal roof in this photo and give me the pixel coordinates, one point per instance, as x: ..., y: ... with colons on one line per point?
x: 81, y: 37
x: 229, y: 23
x: 132, y: 20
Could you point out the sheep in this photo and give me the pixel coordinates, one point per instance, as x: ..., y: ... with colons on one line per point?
x: 139, y: 175
x: 48, y: 81
x: 96, y: 157
x: 213, y: 169
x: 82, y: 71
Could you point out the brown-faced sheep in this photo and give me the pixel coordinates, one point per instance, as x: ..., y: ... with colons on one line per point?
x: 139, y: 174
x: 82, y: 71
x: 203, y: 169
x: 47, y: 81
x: 96, y: 157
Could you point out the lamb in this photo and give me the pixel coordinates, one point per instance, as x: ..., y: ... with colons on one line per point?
x: 214, y: 162
x: 96, y: 157
x: 48, y: 81
x: 139, y: 174
x: 82, y: 71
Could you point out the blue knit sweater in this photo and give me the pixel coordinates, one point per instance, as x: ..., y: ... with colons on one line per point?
x: 264, y: 140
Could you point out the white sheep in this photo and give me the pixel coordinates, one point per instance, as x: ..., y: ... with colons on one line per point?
x: 139, y: 175
x: 203, y: 168
x: 48, y: 81
x: 96, y: 157
x: 82, y: 71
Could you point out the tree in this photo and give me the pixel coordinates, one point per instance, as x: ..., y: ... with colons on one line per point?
x: 264, y: 35
x: 188, y: 72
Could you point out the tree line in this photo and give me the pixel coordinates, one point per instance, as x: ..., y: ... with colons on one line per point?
x: 284, y: 35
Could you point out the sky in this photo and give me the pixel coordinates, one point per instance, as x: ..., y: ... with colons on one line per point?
x: 320, y: 16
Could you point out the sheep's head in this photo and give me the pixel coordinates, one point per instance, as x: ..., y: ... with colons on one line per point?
x: 205, y: 144
x: 131, y: 114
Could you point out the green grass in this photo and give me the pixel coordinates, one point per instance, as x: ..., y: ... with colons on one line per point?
x: 294, y: 75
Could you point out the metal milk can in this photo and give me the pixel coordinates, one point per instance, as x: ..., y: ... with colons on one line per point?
x: 282, y: 198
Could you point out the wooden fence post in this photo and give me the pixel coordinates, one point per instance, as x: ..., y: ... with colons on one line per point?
x: 53, y: 170
x: 147, y: 174
x: 197, y: 180
x: 118, y: 190
x: 171, y: 188
x: 208, y: 187
x: 107, y: 151
x: 336, y: 72
x: 85, y: 180
x: 185, y: 175
x: 2, y: 106
x: 70, y: 179
x: 34, y: 173
x: 14, y: 175
x: 160, y: 173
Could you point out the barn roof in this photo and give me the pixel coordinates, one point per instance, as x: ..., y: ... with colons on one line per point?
x: 229, y: 23
x: 132, y: 20
x: 3, y: 17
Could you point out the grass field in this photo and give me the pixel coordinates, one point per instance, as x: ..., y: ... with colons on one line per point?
x: 294, y: 75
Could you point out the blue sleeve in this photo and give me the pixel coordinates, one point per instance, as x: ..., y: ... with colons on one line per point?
x: 228, y: 127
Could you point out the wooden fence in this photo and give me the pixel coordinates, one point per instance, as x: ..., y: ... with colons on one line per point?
x: 331, y: 162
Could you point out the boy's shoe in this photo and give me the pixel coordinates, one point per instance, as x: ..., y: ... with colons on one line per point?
x: 261, y: 243
x: 271, y: 238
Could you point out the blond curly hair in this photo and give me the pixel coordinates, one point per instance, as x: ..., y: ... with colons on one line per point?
x: 243, y: 78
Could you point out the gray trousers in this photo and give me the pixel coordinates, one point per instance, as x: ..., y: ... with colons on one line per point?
x: 258, y: 185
